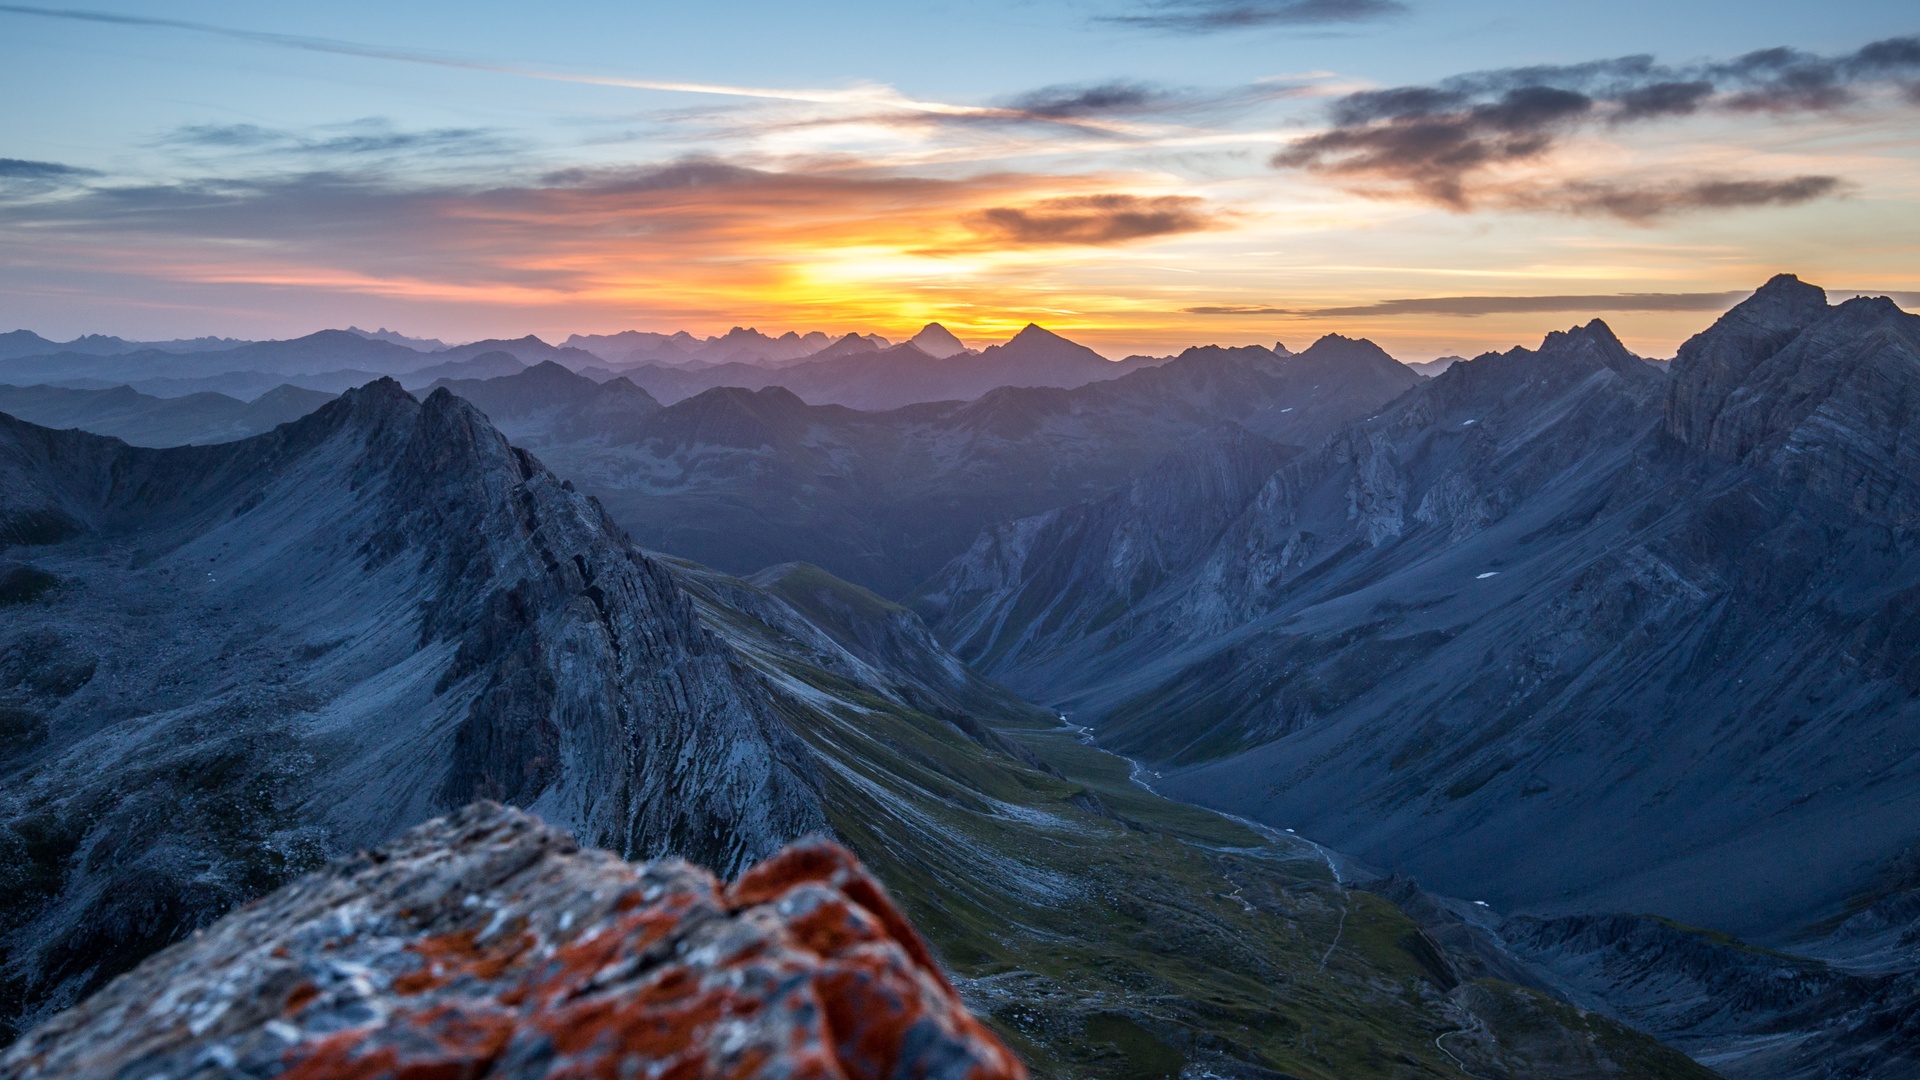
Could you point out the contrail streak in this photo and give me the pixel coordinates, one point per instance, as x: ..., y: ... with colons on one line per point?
x: 860, y: 95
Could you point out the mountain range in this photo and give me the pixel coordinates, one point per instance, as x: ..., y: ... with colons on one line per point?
x: 743, y: 479
x: 146, y: 420
x: 860, y: 374
x: 1590, y: 678
x: 223, y: 665
x: 1554, y: 631
x: 861, y: 371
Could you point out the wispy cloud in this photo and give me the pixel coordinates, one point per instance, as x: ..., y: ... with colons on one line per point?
x: 1211, y: 16
x: 1449, y: 142
x: 1472, y: 306
x: 360, y: 138
x: 17, y: 169
x: 856, y: 95
x: 1642, y: 201
x: 1093, y: 219
x: 25, y: 179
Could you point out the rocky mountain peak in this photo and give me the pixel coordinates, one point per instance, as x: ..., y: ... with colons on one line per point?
x: 379, y: 403
x: 937, y: 341
x: 1594, y: 343
x: 1828, y: 412
x: 1713, y: 362
x: 1337, y: 349
x: 373, y: 613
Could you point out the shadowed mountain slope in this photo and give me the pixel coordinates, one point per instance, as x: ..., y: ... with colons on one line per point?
x: 1109, y: 932
x: 1555, y: 631
x: 230, y: 661
x: 236, y: 659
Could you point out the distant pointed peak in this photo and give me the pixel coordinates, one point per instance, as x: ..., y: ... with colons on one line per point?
x: 1343, y: 345
x: 937, y: 341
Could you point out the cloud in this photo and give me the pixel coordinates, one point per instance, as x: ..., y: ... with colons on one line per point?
x: 1447, y: 143
x: 689, y: 240
x: 17, y: 169
x: 1120, y: 96
x: 21, y: 179
x: 1473, y: 306
x: 1643, y: 202
x: 1209, y: 16
x: 1093, y: 219
x: 372, y: 136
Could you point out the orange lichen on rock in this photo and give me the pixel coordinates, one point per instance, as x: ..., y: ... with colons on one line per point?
x: 524, y: 957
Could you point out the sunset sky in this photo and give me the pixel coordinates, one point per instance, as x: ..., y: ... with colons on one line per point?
x: 1439, y: 175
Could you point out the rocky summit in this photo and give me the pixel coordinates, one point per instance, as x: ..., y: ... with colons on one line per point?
x: 487, y: 944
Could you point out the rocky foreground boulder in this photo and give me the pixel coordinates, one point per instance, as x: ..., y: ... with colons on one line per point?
x: 486, y: 943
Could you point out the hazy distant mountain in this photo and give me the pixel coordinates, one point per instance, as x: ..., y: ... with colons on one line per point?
x: 486, y: 365
x: 330, y: 361
x: 743, y: 479
x: 851, y: 372
x: 936, y: 341
x: 547, y: 403
x: 26, y: 343
x: 397, y: 338
x: 862, y: 371
x: 743, y: 345
x: 1552, y: 630
x: 528, y: 350
x: 143, y: 420
x: 328, y: 350
x: 1430, y: 368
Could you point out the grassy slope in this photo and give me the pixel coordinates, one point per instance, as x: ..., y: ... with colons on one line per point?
x: 1111, y: 933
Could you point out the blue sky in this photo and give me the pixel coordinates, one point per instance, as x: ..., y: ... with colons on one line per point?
x: 272, y: 172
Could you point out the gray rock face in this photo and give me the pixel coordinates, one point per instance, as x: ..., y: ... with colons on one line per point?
x: 1712, y: 366
x: 1083, y: 566
x: 259, y: 653
x: 1560, y: 632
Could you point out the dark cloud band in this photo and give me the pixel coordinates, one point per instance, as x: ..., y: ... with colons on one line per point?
x: 1440, y: 143
x: 1471, y: 306
x: 1208, y: 16
x: 1092, y: 219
